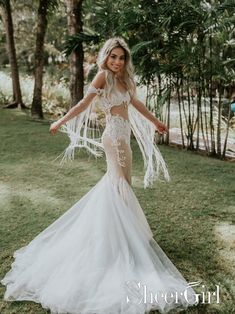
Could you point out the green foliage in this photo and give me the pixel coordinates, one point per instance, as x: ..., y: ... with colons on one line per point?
x: 3, y: 3
x: 52, y: 6
x: 74, y: 40
x: 24, y: 18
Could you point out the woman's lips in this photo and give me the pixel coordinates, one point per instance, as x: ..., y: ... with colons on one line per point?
x: 115, y: 67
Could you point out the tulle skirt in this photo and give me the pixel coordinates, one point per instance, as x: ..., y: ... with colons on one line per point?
x: 99, y: 257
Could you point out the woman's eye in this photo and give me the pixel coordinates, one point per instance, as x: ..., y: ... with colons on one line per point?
x: 115, y: 57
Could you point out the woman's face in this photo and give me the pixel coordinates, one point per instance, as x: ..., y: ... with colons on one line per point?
x: 116, y: 60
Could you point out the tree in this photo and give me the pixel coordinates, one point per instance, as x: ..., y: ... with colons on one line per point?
x: 44, y: 8
x: 184, y: 51
x: 5, y: 10
x: 74, y: 16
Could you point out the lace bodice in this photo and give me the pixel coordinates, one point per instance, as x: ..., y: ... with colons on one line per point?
x: 117, y: 128
x: 117, y: 98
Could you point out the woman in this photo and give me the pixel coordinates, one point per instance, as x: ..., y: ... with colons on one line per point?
x: 100, y: 255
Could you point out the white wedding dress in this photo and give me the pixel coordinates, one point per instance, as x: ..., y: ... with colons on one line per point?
x: 100, y: 257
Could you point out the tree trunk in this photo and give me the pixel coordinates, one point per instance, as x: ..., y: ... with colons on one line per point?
x: 220, y: 89
x: 212, y: 131
x: 190, y: 120
x: 36, y: 109
x: 226, y: 136
x: 205, y: 117
x: 198, y: 117
x: 74, y: 17
x: 7, y: 19
x: 168, y: 111
x: 199, y: 103
x: 180, y: 111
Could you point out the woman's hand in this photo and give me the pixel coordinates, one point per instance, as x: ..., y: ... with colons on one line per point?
x: 55, y: 126
x: 161, y: 127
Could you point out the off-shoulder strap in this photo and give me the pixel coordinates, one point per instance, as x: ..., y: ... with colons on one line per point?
x: 93, y: 89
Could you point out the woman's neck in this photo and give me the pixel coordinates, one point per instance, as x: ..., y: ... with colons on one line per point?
x: 120, y: 83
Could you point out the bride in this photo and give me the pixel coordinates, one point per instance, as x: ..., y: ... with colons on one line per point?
x: 100, y: 257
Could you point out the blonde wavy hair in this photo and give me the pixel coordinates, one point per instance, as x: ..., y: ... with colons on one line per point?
x: 128, y: 70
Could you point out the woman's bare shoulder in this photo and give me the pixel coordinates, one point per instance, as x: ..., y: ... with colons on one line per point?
x: 99, y: 80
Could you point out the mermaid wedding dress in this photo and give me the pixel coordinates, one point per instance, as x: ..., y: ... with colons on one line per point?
x: 100, y: 257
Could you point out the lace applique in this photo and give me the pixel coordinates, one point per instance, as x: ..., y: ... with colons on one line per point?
x: 93, y: 89
x: 117, y: 98
x: 117, y: 128
x: 106, y: 104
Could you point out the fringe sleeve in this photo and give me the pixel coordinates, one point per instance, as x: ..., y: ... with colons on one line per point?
x: 83, y: 131
x: 154, y: 164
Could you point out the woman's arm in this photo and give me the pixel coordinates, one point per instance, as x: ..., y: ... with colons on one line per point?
x: 161, y: 128
x: 98, y: 82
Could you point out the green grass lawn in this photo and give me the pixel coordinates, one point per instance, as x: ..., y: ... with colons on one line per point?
x: 192, y: 217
